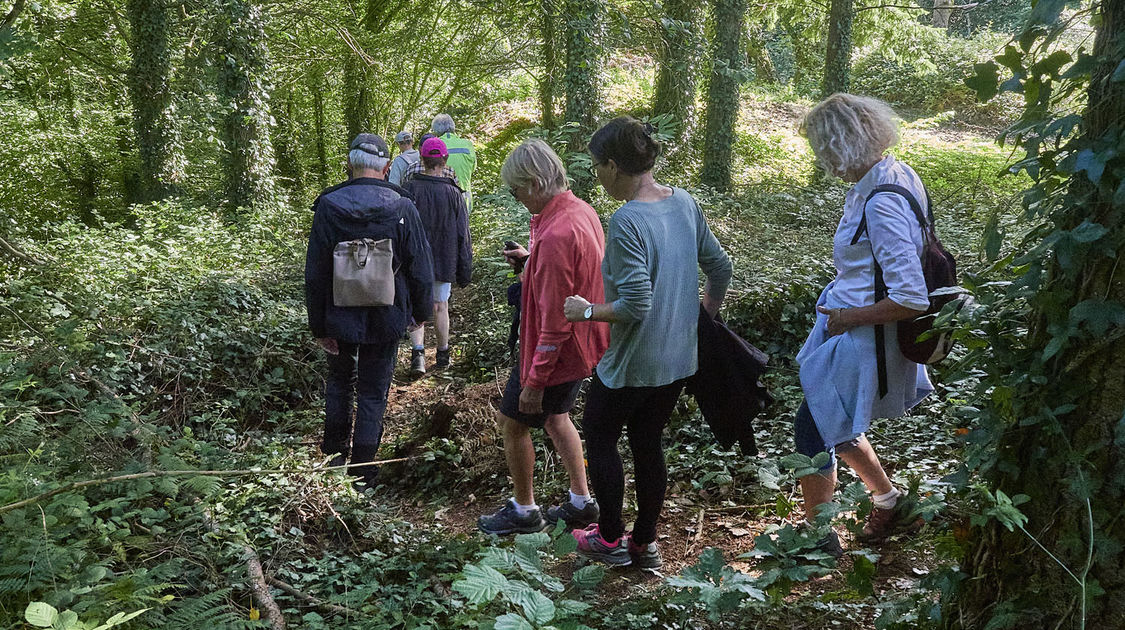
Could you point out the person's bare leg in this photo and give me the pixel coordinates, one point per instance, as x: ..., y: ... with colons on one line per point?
x: 520, y: 453
x: 569, y: 445
x: 865, y: 463
x: 441, y: 323
x: 418, y: 336
x: 817, y: 489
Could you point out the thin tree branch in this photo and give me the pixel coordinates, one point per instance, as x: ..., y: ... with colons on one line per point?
x: 258, y: 587
x: 314, y: 601
x: 16, y: 252
x: 10, y: 19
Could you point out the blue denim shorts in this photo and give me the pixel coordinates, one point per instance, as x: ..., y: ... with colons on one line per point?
x: 442, y: 291
x: 809, y: 442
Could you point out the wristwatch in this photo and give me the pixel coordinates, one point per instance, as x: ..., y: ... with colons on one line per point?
x: 589, y: 312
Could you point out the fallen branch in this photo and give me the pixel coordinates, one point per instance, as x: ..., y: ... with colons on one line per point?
x: 317, y: 602
x: 258, y: 587
x: 739, y: 508
x: 75, y: 485
x: 16, y: 252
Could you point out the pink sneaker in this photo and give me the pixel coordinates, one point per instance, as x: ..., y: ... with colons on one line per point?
x: 592, y: 546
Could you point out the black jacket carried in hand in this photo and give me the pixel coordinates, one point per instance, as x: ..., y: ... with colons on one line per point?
x: 441, y: 204
x: 727, y: 386
x: 368, y: 208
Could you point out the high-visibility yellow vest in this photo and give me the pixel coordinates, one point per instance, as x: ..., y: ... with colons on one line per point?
x: 462, y: 159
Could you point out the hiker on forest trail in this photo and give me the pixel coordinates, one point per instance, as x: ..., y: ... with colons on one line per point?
x: 843, y: 384
x: 657, y: 243
x: 407, y: 155
x: 418, y: 168
x: 555, y: 355
x: 462, y: 155
x: 442, y: 208
x: 350, y: 221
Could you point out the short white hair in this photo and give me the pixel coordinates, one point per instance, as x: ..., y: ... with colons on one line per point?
x: 534, y: 163
x: 359, y: 158
x: 849, y: 132
x: 443, y: 124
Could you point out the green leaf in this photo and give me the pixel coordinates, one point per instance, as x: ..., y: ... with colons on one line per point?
x: 119, y: 619
x: 1119, y: 73
x: 796, y: 461
x: 41, y: 614
x: 512, y: 621
x: 67, y: 620
x: 536, y: 607
x: 571, y: 607
x: 588, y: 576
x: 986, y: 80
x: 480, y: 583
x: 563, y: 542
x: 1051, y: 64
x: 862, y: 575
x: 1097, y: 315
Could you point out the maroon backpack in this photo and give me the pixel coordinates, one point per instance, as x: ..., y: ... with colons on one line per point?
x: 940, y: 270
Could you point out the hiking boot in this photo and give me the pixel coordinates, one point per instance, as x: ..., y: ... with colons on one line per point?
x: 574, y: 518
x: 339, y: 459
x: 645, y: 556
x: 442, y: 359
x: 417, y: 361
x: 830, y: 544
x: 507, y: 520
x: 591, y: 546
x: 882, y: 524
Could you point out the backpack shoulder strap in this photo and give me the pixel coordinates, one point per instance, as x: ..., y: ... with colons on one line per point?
x: 902, y: 192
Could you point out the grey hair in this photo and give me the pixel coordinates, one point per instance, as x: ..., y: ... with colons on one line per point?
x: 534, y: 163
x: 359, y: 158
x: 848, y: 132
x: 443, y: 124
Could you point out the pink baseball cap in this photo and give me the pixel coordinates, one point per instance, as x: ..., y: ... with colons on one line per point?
x: 434, y: 147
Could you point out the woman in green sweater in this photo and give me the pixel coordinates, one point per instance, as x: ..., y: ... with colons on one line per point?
x: 656, y: 244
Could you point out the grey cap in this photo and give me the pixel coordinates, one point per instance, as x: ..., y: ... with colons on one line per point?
x: 375, y: 145
x: 403, y: 137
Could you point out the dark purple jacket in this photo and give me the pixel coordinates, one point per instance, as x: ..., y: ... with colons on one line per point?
x: 367, y: 208
x: 441, y: 205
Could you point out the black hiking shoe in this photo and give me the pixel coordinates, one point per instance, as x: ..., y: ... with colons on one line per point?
x: 830, y: 544
x: 507, y: 521
x: 442, y: 359
x: 645, y: 556
x: 573, y: 517
x: 417, y: 361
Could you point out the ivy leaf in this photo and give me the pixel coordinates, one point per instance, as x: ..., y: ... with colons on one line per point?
x: 1083, y: 66
x: 1011, y: 59
x: 41, y: 614
x: 1045, y: 12
x: 1051, y: 64
x: 1091, y: 162
x: 480, y: 584
x: 1054, y: 345
x: 1118, y: 74
x: 1088, y: 232
x: 512, y: 621
x: 986, y: 80
x: 1097, y: 315
x: 862, y: 575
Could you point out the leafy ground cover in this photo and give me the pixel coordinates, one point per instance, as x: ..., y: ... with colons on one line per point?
x: 179, y: 343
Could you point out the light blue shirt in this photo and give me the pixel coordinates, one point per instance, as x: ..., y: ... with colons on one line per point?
x: 654, y: 251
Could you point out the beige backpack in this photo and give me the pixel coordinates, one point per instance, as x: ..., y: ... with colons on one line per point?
x: 363, y: 273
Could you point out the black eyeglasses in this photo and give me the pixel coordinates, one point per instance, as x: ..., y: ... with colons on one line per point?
x: 512, y: 190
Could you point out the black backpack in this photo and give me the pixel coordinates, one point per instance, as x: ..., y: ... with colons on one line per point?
x: 940, y: 270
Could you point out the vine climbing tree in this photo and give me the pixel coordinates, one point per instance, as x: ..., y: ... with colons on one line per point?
x: 722, y: 93
x: 680, y: 52
x: 150, y: 93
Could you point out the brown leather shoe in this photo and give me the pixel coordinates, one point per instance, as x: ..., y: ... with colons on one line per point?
x: 882, y: 524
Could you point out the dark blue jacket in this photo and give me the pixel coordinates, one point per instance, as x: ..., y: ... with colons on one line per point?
x: 441, y: 205
x: 367, y: 208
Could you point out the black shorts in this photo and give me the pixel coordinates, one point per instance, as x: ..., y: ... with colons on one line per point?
x: 556, y: 399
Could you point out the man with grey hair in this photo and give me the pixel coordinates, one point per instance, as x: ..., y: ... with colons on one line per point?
x: 462, y: 155
x: 407, y: 155
x: 362, y: 341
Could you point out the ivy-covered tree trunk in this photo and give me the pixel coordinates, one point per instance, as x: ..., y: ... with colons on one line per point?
x: 838, y: 52
x: 679, y: 65
x: 318, y: 125
x: 286, y: 142
x: 1063, y: 444
x: 150, y: 91
x: 548, y: 47
x: 585, y: 23
x: 249, y: 156
x: 357, y: 109
x: 723, y: 93
x: 758, y: 56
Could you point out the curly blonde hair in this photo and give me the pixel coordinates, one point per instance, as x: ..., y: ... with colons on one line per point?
x: 848, y: 132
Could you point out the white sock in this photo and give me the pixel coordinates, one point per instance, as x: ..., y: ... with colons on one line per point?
x: 886, y: 501
x: 523, y: 510
x: 580, y: 500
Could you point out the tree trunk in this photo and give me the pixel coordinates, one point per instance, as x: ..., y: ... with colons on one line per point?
x: 150, y: 91
x: 548, y: 15
x: 758, y: 56
x: 838, y: 53
x: 1074, y: 461
x: 585, y: 20
x: 318, y: 123
x: 723, y: 93
x: 357, y: 109
x: 288, y: 160
x: 679, y: 65
x: 941, y: 14
x: 243, y: 83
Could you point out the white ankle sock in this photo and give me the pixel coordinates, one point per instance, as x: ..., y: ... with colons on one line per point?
x: 523, y: 510
x: 886, y: 501
x: 580, y: 500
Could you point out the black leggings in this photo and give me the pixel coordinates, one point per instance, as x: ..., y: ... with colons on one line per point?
x: 643, y: 411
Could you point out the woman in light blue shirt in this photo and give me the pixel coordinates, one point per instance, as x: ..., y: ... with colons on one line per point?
x: 839, y: 372
x: 655, y: 246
